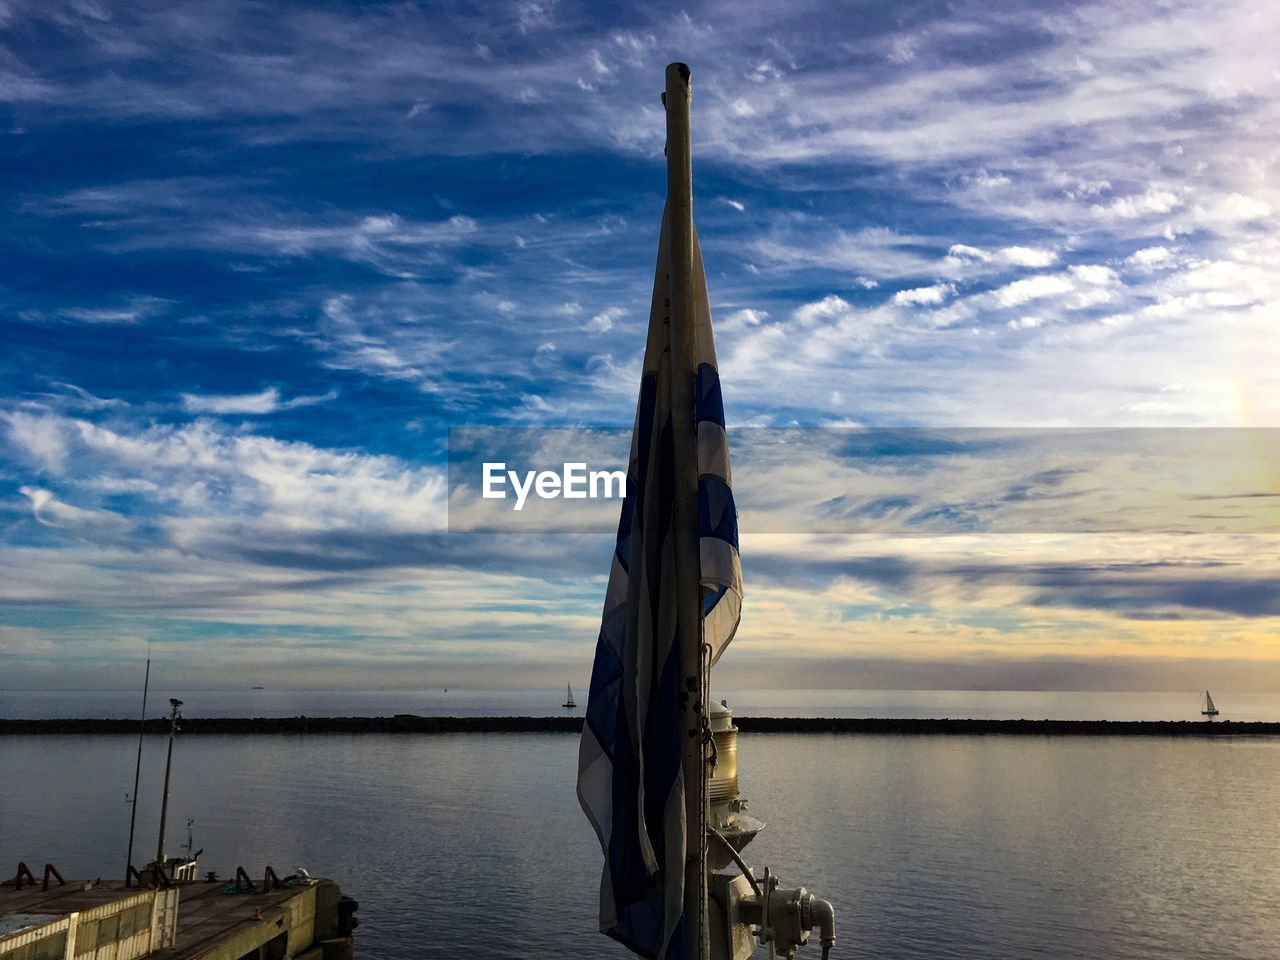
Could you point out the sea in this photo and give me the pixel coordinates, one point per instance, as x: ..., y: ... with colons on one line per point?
x: 459, y: 702
x: 473, y: 845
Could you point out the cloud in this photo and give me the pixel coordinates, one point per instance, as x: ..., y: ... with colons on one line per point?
x: 924, y: 296
x: 135, y: 310
x: 204, y: 481
x: 91, y: 524
x: 1027, y: 256
x: 960, y: 253
x: 603, y: 321
x: 264, y: 402
x: 874, y: 252
x: 202, y: 214
x: 534, y: 14
x: 1153, y: 201
x: 1150, y: 256
x: 746, y: 317
x: 38, y: 438
x: 829, y: 308
x: 1033, y: 288
x: 1094, y: 274
x: 78, y: 398
x: 1025, y: 323
x: 1088, y: 193
x: 1239, y: 207
x: 353, y: 336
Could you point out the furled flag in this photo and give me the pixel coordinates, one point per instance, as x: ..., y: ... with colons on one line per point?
x: 629, y: 774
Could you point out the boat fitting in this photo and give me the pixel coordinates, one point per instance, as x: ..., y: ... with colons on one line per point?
x: 823, y: 916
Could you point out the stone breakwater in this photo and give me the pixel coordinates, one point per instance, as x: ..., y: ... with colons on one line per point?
x: 408, y: 723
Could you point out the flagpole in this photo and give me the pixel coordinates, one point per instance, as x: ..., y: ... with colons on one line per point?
x: 685, y: 507
x: 137, y: 769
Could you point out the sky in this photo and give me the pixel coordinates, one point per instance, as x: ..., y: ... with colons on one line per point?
x: 259, y: 259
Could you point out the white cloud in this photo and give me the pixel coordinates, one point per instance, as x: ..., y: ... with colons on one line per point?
x: 603, y: 321
x: 38, y: 438
x: 91, y: 524
x: 1150, y: 256
x: 1027, y: 256
x: 902, y: 50
x: 924, y: 296
x: 135, y: 310
x: 764, y: 72
x: 1154, y: 201
x: 263, y: 402
x: 208, y: 479
x: 1093, y: 274
x: 738, y: 319
x: 534, y: 14
x: 387, y: 242
x: 961, y: 254
x: 961, y: 251
x: 78, y: 398
x: 827, y: 309
x: 1033, y: 288
x: 601, y: 68
x: 990, y: 181
x: 355, y: 336
x: 1239, y: 207
x: 872, y: 253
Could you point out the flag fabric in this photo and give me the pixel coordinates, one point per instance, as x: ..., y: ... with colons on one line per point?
x: 630, y: 782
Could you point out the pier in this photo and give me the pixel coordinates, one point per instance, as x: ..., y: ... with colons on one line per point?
x: 297, y: 918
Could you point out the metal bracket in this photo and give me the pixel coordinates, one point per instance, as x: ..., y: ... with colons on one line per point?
x: 24, y: 872
x: 51, y: 871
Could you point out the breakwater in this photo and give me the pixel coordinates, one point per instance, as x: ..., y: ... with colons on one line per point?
x: 411, y: 723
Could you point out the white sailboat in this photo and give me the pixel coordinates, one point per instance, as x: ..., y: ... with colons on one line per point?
x: 1209, y: 709
x: 568, y: 702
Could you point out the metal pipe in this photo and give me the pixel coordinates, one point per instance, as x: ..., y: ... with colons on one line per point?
x: 685, y: 506
x: 168, y: 765
x: 137, y: 772
x: 824, y: 918
x: 737, y: 858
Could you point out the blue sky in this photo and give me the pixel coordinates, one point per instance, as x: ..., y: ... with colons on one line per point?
x: 259, y: 258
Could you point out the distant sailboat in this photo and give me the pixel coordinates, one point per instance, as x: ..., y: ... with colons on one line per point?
x: 1209, y: 709
x: 568, y: 703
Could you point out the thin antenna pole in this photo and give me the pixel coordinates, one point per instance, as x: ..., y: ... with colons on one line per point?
x: 137, y: 769
x: 685, y: 508
x: 168, y: 765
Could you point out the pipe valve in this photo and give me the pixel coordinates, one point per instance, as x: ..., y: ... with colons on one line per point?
x: 789, y: 915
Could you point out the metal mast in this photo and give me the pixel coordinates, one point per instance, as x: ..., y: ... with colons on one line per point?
x: 137, y: 770
x: 168, y: 765
x: 685, y: 507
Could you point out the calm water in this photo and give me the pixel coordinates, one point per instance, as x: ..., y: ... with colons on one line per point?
x: 930, y: 847
x: 993, y: 705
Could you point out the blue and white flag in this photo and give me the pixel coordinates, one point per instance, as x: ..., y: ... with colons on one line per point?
x: 630, y: 782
